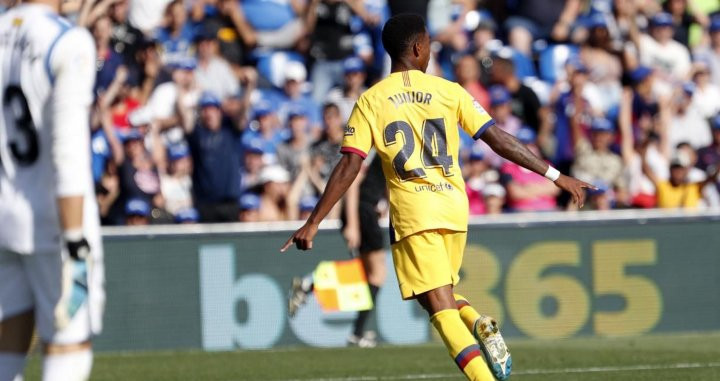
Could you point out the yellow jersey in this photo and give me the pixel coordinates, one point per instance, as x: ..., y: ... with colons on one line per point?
x: 683, y: 196
x: 411, y: 119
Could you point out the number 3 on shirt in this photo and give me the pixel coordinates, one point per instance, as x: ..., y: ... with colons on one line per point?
x: 434, y: 148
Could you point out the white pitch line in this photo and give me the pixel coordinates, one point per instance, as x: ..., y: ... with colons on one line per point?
x: 527, y: 372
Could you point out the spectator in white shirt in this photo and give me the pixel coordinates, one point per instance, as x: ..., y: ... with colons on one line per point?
x: 670, y: 58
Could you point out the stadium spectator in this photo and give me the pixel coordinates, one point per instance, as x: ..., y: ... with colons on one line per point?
x: 710, y: 52
x: 467, y: 74
x: 226, y: 22
x: 276, y: 24
x: 526, y: 190
x: 325, y: 153
x: 249, y: 208
x: 353, y: 85
x: 125, y: 38
x: 187, y: 216
x: 108, y: 61
x: 147, y: 15
x: 139, y: 178
x: 275, y: 186
x: 169, y: 99
x: 176, y: 36
x: 328, y: 22
x: 687, y: 123
x: 478, y: 175
x: 266, y: 129
x: 684, y: 16
x: 594, y: 160
x: 709, y: 156
x: 602, y: 58
x: 214, y: 147
x: 137, y: 212
x: 176, y: 179
x: 213, y: 73
x: 526, y: 104
x: 307, y: 204
x: 293, y: 94
x: 658, y: 50
x: 291, y: 154
x: 494, y: 195
x: 678, y: 191
x: 252, y: 165
x: 501, y: 110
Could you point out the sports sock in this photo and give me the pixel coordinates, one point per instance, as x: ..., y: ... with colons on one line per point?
x: 362, y: 316
x: 462, y: 346
x: 71, y: 366
x: 467, y: 312
x: 11, y: 366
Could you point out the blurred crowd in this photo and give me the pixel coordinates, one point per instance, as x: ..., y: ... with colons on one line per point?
x: 233, y: 110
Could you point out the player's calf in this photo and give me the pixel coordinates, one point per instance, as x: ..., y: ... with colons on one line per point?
x: 67, y: 362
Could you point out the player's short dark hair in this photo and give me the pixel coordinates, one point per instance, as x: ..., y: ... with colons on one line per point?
x: 400, y: 32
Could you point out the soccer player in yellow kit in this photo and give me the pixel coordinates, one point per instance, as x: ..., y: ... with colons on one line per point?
x: 411, y: 119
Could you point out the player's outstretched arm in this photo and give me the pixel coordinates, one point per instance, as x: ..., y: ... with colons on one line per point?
x: 342, y: 177
x: 510, y: 148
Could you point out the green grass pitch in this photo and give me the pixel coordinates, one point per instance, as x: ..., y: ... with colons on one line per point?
x: 659, y: 357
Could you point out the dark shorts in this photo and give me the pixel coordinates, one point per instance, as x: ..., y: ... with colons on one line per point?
x: 371, y: 236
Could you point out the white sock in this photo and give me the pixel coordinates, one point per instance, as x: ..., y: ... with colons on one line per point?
x: 72, y: 366
x: 11, y: 366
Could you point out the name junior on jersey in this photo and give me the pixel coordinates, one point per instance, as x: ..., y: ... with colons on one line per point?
x: 412, y: 97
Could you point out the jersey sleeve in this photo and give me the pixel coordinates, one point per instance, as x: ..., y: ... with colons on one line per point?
x: 471, y: 115
x: 358, y: 131
x: 72, y: 64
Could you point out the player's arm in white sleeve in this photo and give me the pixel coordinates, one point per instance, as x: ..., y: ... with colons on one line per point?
x: 72, y: 66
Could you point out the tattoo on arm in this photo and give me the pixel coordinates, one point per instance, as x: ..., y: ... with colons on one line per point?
x: 510, y: 148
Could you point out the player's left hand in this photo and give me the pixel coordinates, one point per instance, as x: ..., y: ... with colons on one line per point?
x: 302, y: 238
x: 575, y: 187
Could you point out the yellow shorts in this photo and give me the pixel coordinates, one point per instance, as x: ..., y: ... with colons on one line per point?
x: 428, y: 260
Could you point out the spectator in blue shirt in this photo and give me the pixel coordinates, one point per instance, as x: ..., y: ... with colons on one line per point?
x: 216, y: 163
x: 293, y: 95
x: 177, y: 36
x: 266, y: 129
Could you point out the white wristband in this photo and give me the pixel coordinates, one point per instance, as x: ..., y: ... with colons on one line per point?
x: 73, y: 235
x: 552, y: 174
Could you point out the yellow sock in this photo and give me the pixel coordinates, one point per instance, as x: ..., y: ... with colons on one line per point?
x: 467, y: 312
x: 462, y: 346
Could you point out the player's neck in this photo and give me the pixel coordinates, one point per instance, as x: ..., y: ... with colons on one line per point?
x: 403, y: 64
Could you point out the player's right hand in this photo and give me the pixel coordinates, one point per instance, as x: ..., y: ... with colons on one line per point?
x: 302, y: 238
x: 78, y: 250
x: 575, y: 187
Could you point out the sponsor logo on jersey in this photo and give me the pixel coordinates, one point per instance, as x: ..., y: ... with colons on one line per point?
x: 479, y: 108
x: 349, y: 130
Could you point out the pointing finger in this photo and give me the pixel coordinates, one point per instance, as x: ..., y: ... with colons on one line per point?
x: 287, y: 244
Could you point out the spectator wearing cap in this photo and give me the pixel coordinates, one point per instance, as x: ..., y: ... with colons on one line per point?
x: 687, y: 123
x: 249, y: 207
x: 494, y: 196
x: 478, y: 174
x: 177, y: 35
x: 599, y: 198
x: 328, y: 23
x: 138, y: 174
x: 293, y: 94
x: 292, y: 153
x: 137, y: 212
x: 172, y: 101
x: 483, y: 36
x: 527, y: 191
x: 214, y: 147
x: 353, y: 85
x: 213, y: 73
x: 253, y: 163
x: 176, y: 181
x: 265, y: 128
x: 275, y: 187
x: 710, y: 53
x: 187, y: 216
x: 658, y: 49
x: 525, y: 103
x: 709, y: 156
x: 501, y: 110
x: 594, y: 161
x: 467, y: 74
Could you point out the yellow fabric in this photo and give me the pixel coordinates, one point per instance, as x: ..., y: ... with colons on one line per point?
x: 468, y: 314
x: 410, y: 118
x: 683, y: 196
x: 427, y: 260
x: 456, y: 338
